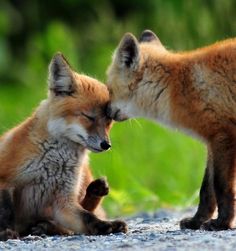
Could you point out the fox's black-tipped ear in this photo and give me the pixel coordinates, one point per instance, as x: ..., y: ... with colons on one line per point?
x: 128, y: 51
x: 60, y: 76
x: 149, y: 36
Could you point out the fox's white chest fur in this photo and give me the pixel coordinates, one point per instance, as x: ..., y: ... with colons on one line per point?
x: 55, y: 170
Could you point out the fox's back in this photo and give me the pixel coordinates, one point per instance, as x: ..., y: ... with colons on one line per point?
x: 207, y: 79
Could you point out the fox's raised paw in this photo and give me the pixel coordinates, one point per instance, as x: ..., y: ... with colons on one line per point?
x: 98, y: 187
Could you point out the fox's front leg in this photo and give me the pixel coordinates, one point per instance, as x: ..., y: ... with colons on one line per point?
x: 95, y: 191
x: 71, y: 215
x: 224, y: 149
x: 207, y: 203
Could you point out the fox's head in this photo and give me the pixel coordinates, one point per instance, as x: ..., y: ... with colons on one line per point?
x: 77, y: 107
x: 133, y: 71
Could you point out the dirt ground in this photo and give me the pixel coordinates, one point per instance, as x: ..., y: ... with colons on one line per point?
x: 147, y: 232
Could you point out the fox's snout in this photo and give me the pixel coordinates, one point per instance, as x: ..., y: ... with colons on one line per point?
x: 115, y: 113
x: 98, y: 144
x: 112, y: 112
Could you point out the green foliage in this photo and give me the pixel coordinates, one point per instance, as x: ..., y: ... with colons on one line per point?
x: 148, y: 166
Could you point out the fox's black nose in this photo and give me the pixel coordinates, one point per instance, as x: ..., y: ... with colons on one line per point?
x: 105, y: 145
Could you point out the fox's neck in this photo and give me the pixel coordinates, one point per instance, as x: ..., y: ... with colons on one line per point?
x: 169, y: 90
x: 39, y: 122
x: 153, y: 96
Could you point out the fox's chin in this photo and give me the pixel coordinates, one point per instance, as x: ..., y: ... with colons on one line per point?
x: 82, y: 141
x: 118, y: 116
x: 90, y: 148
x: 120, y: 119
x: 95, y: 150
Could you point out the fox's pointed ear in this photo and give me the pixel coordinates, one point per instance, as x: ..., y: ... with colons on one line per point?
x: 60, y: 76
x: 127, y: 53
x: 149, y: 36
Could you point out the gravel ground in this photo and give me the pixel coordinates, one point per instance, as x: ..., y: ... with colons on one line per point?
x: 147, y: 232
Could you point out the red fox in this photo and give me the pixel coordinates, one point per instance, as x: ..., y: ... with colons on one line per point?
x: 194, y: 91
x: 45, y: 158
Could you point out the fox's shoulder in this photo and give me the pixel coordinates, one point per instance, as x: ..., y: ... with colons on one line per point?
x: 16, y: 146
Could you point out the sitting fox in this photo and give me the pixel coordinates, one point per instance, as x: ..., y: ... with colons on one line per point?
x: 194, y: 91
x: 45, y: 159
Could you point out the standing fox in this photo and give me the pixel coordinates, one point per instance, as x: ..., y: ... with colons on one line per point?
x: 45, y: 159
x: 194, y: 91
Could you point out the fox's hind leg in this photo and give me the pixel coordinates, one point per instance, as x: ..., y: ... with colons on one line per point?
x: 47, y: 227
x: 95, y: 191
x: 224, y: 162
x: 69, y: 214
x: 207, y: 204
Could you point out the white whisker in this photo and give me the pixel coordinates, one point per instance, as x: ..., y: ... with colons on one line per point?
x: 137, y: 122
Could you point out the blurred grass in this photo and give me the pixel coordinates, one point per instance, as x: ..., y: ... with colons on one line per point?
x: 149, y: 166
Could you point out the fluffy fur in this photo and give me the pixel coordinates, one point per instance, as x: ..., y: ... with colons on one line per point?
x: 194, y: 91
x: 45, y: 159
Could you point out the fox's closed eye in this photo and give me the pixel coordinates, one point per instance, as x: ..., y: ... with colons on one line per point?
x: 89, y: 117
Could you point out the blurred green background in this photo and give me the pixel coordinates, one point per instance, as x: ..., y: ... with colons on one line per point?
x: 149, y: 166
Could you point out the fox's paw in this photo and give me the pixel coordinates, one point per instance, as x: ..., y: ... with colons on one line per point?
x: 98, y: 187
x: 108, y: 227
x: 190, y: 223
x: 119, y: 226
x: 215, y: 225
x: 41, y: 229
x: 95, y: 226
x: 8, y: 234
x: 100, y: 228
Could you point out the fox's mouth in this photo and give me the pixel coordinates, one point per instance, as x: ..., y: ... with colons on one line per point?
x: 93, y: 149
x: 115, y: 113
x: 89, y: 147
x: 118, y: 116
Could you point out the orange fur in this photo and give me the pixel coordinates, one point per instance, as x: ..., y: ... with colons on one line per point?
x: 45, y: 159
x: 194, y: 91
